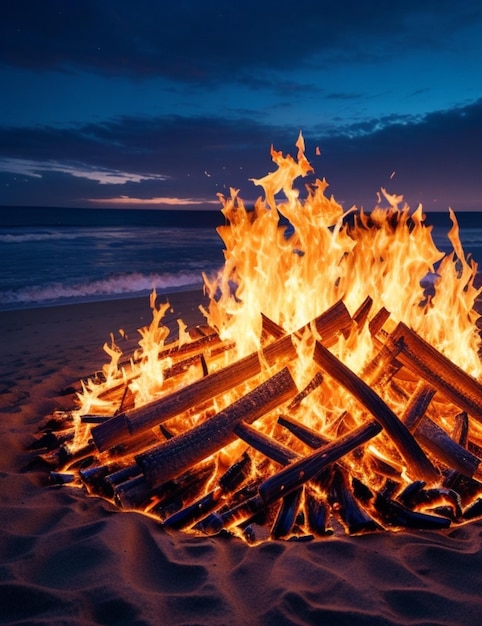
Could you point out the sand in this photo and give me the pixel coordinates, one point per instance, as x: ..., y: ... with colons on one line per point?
x: 66, y: 558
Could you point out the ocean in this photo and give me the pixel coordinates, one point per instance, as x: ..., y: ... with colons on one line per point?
x: 53, y: 256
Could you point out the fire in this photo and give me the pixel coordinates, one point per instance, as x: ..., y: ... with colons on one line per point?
x: 269, y: 351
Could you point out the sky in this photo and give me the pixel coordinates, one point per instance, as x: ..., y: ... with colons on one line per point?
x: 162, y: 105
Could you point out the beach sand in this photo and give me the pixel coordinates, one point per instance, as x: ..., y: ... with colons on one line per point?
x: 66, y: 558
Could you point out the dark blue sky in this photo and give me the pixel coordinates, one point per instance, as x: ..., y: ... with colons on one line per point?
x: 149, y: 103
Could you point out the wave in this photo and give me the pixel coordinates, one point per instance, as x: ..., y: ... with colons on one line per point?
x: 26, y: 237
x: 119, y: 286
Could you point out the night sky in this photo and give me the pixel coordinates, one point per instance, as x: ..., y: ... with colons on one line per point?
x: 115, y: 103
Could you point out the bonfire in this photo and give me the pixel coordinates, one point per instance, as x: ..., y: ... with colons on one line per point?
x: 334, y: 387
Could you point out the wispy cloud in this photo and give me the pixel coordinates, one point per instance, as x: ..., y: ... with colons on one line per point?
x: 127, y: 201
x: 37, y: 169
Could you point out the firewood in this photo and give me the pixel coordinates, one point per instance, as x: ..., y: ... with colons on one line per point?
x: 361, y: 314
x: 317, y: 512
x: 287, y: 480
x: 416, y: 495
x: 455, y: 456
x: 172, y: 457
x: 461, y: 429
x: 264, y: 444
x: 314, y: 383
x: 287, y: 512
x: 303, y: 470
x: 356, y: 519
x: 414, y: 456
x: 377, y: 322
x: 243, y: 512
x: 395, y: 514
x: 437, y: 370
x: 334, y: 321
x: 228, y: 482
x: 305, y: 434
x: 417, y: 406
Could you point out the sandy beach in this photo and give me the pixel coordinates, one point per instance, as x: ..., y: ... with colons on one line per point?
x: 66, y: 558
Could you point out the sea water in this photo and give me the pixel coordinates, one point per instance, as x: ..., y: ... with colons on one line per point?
x: 54, y: 256
x: 59, y: 256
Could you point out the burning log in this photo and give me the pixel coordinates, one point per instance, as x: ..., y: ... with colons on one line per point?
x: 328, y: 325
x: 244, y: 512
x: 136, y: 492
x: 286, y: 517
x: 437, y: 370
x: 341, y: 498
x: 264, y: 444
x: 417, y: 406
x: 360, y: 316
x: 461, y: 430
x: 288, y: 480
x: 394, y: 514
x: 308, y: 467
x: 228, y: 482
x: 317, y: 513
x: 400, y: 435
x: 172, y: 457
x: 302, y: 432
x: 455, y: 456
x: 314, y: 383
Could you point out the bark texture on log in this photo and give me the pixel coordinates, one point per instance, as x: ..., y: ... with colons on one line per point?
x: 437, y: 370
x: 174, y: 456
x: 414, y: 456
x: 334, y: 321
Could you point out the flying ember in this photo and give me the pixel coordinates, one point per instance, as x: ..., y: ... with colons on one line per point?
x: 335, y: 386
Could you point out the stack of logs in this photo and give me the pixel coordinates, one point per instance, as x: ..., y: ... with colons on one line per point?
x: 134, y: 459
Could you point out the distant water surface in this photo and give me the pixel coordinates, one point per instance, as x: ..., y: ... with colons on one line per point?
x: 57, y: 256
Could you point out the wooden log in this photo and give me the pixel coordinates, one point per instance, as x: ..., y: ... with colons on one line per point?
x: 314, y: 440
x: 228, y: 482
x: 270, y: 328
x: 328, y: 325
x: 361, y: 314
x: 394, y: 514
x: 182, y: 354
x: 437, y: 370
x: 455, y: 456
x: 417, y: 406
x: 314, y: 383
x: 286, y: 517
x: 461, y: 429
x: 299, y: 472
x: 416, y: 495
x: 356, y: 519
x: 305, y: 434
x: 136, y: 492
x: 410, y: 450
x: 317, y: 513
x: 174, y: 456
x: 382, y: 368
x: 377, y: 322
x: 243, y: 512
x: 264, y: 444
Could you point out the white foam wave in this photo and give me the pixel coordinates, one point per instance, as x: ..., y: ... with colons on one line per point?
x: 112, y: 287
x: 38, y: 236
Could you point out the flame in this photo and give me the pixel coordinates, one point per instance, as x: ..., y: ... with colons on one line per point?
x: 288, y: 259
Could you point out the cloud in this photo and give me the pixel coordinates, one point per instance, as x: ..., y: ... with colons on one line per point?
x: 37, y: 169
x: 435, y: 156
x: 151, y: 38
x: 126, y: 201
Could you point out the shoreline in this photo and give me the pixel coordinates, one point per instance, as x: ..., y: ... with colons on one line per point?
x: 66, y: 557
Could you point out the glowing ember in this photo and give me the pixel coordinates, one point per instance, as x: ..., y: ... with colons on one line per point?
x: 348, y: 333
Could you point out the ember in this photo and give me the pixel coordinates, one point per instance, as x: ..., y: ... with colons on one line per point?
x: 331, y: 388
